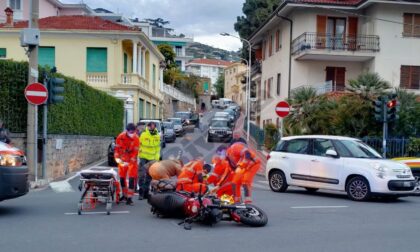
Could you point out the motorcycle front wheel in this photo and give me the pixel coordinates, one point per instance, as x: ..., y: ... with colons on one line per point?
x: 252, y: 216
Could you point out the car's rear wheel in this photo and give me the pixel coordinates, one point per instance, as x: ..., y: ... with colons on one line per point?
x: 310, y: 189
x: 358, y: 189
x: 277, y: 181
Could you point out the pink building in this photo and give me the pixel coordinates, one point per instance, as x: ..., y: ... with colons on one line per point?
x: 47, y: 8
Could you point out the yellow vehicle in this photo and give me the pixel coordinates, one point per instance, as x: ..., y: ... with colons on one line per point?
x: 412, y: 162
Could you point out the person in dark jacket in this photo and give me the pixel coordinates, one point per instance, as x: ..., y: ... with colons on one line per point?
x: 4, y: 133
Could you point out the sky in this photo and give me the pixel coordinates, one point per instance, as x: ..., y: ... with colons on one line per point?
x: 202, y: 19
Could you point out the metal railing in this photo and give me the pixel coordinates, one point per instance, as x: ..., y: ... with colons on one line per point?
x: 178, y: 95
x: 395, y: 147
x: 322, y: 88
x: 318, y: 41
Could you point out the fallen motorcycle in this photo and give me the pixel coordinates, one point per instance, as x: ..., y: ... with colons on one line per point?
x: 206, y: 209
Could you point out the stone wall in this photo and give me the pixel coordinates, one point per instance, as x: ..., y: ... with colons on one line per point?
x: 67, y: 153
x: 171, y: 106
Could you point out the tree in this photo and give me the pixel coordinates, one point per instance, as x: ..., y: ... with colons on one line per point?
x: 220, y: 86
x: 408, y: 123
x: 368, y: 85
x: 169, y: 54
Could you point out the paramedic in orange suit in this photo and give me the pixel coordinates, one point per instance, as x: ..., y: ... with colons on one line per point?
x: 126, y: 151
x: 222, y: 174
x: 191, y: 177
x: 247, y: 167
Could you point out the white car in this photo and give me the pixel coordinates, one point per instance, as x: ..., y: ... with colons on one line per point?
x: 336, y: 163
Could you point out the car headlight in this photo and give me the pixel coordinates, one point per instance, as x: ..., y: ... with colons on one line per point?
x: 381, y: 169
x: 11, y: 160
x: 229, y: 132
x: 212, y: 131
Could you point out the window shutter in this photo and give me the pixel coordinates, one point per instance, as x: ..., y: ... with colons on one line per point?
x: 3, y: 53
x: 277, y: 40
x: 263, y: 50
x: 415, y: 77
x: 270, y: 46
x: 46, y: 56
x: 352, y: 32
x: 96, y: 60
x: 321, y: 27
x: 405, y: 77
x: 416, y: 29
x: 340, y: 78
x: 265, y: 89
x: 408, y: 27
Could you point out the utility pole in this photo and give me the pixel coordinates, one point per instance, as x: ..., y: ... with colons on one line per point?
x: 32, y: 127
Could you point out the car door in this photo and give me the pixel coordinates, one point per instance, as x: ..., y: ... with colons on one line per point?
x: 295, y: 153
x: 325, y: 170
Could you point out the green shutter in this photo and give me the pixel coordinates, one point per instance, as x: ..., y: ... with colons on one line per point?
x: 141, y: 108
x: 206, y: 86
x: 148, y: 110
x: 46, y: 56
x: 154, y: 74
x: 125, y: 62
x: 2, y: 52
x: 154, y: 112
x: 96, y: 60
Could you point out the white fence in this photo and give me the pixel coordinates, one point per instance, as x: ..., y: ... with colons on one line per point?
x: 178, y: 95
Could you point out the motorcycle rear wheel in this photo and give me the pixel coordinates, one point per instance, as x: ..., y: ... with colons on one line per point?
x: 252, y: 216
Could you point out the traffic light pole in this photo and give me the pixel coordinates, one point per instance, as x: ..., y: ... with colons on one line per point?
x: 32, y: 124
x: 385, y: 129
x: 44, y: 135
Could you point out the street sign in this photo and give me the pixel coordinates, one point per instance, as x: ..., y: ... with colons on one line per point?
x: 36, y: 93
x: 282, y: 109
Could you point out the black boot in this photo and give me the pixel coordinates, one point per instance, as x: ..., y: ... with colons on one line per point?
x: 123, y: 198
x: 130, y: 202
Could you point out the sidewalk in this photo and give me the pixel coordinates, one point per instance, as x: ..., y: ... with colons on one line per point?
x: 252, y: 144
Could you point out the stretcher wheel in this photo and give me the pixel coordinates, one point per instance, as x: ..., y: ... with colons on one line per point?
x: 79, y: 208
x: 108, y: 208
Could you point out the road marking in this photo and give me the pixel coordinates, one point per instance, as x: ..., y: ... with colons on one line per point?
x: 314, y: 207
x: 92, y: 213
x: 61, y: 186
x: 263, y: 182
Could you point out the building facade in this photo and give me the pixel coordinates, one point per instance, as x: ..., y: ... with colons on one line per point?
x: 208, y: 68
x: 333, y: 42
x: 117, y: 59
x: 235, y: 82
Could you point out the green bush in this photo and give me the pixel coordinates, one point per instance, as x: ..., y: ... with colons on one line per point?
x: 414, y: 147
x: 271, y: 135
x: 85, y: 110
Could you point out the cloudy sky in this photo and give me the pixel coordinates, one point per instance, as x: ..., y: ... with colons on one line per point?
x: 203, y: 19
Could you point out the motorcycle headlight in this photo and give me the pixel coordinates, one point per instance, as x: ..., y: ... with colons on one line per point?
x: 11, y: 160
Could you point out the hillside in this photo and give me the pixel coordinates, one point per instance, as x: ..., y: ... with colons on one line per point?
x: 199, y: 50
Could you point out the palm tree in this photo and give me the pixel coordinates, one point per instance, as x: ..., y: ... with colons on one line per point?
x: 368, y: 85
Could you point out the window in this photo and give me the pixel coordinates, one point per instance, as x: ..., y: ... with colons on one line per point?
x: 154, y: 111
x: 96, y: 60
x: 277, y: 40
x: 263, y: 51
x: 178, y: 63
x: 338, y: 76
x: 265, y: 89
x: 141, y: 108
x: 15, y: 4
x: 46, y: 56
x: 410, y: 77
x: 3, y: 53
x: 278, y: 83
x: 268, y: 89
x: 154, y: 75
x: 125, y: 63
x: 148, y: 110
x: 270, y: 46
x: 281, y: 146
x: 178, y: 50
x: 321, y: 146
x: 298, y: 146
x: 411, y: 25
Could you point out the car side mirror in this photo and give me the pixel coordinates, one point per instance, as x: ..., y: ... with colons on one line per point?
x: 332, y: 153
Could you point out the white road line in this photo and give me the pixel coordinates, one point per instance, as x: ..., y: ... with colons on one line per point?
x: 92, y: 213
x: 315, y: 207
x: 262, y: 182
x: 61, y: 186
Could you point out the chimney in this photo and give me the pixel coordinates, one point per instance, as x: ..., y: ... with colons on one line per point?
x: 9, y: 17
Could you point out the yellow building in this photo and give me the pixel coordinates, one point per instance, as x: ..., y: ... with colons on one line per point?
x: 111, y: 57
x: 234, y: 75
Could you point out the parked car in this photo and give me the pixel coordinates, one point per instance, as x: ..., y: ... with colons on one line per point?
x: 224, y: 103
x: 13, y: 172
x: 219, y: 130
x: 215, y: 103
x: 195, y: 120
x: 225, y: 115
x: 336, y: 163
x: 178, y: 127
x: 169, y: 132
x: 185, y: 117
x: 233, y: 115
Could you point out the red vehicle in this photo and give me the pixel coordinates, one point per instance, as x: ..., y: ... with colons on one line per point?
x: 206, y: 209
x: 13, y: 172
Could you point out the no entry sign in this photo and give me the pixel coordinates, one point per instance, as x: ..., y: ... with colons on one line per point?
x: 282, y: 109
x: 36, y: 93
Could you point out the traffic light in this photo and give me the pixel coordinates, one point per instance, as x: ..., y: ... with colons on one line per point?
x: 379, y: 109
x: 55, y: 90
x: 392, y: 108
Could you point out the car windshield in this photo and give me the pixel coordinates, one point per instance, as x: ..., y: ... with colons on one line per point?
x: 219, y: 123
x: 168, y: 125
x: 356, y: 149
x: 177, y: 121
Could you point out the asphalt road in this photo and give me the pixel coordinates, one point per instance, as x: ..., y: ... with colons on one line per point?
x: 46, y: 220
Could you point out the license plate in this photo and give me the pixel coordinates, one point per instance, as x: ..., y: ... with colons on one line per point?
x: 407, y: 184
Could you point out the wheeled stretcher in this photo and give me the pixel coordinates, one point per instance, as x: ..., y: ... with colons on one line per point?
x: 98, y: 185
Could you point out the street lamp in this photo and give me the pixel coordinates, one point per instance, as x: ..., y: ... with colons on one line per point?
x: 248, y: 88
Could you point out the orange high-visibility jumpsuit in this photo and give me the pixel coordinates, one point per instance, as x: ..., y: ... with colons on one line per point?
x: 127, y: 149
x: 244, y: 175
x: 221, y: 176
x: 191, y: 178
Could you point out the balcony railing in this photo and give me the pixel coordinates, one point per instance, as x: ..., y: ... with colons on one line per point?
x: 134, y: 79
x: 317, y: 41
x: 97, y: 79
x: 177, y: 94
x: 256, y: 68
x: 322, y: 88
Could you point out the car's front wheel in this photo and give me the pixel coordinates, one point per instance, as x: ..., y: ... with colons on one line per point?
x: 277, y: 181
x: 358, y: 189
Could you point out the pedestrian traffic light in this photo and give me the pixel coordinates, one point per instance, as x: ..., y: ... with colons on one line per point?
x: 379, y: 109
x: 392, y: 108
x: 55, y: 90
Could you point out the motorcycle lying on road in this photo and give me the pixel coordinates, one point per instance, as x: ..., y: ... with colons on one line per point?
x: 206, y: 209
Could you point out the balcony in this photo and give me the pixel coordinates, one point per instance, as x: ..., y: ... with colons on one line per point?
x: 316, y: 46
x: 134, y: 80
x: 97, y: 79
x: 323, y: 88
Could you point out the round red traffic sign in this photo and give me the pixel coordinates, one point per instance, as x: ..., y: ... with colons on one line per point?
x: 36, y: 93
x: 282, y: 109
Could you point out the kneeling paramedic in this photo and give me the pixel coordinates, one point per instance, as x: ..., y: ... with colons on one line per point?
x: 191, y: 177
x: 222, y: 174
x: 125, y: 153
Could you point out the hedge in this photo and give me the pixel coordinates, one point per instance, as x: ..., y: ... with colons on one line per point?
x: 85, y: 110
